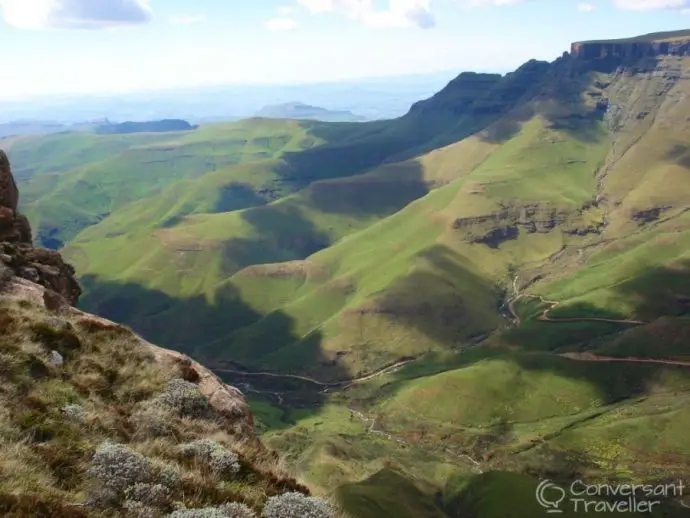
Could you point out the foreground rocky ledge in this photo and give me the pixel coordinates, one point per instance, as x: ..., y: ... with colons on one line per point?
x: 224, y: 399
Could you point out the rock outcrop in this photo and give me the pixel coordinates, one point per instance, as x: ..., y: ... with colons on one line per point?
x: 9, y: 194
x: 513, y: 218
x: 42, y: 277
x: 676, y: 43
x: 13, y: 226
x: 18, y: 256
x: 41, y: 266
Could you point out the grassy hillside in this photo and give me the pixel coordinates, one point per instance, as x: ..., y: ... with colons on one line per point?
x: 71, y: 181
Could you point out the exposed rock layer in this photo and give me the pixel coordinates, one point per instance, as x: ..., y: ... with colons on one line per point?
x: 630, y: 50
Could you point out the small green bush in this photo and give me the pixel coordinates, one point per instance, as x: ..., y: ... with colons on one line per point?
x: 151, y: 495
x: 152, y: 420
x: 166, y: 474
x: 222, y: 461
x: 186, y: 399
x: 233, y: 510
x: 296, y: 505
x: 74, y: 413
x: 117, y: 467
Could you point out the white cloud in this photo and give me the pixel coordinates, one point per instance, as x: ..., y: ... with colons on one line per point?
x: 187, y: 20
x: 651, y: 5
x: 281, y: 24
x: 74, y: 14
x: 400, y: 13
x: 586, y: 8
x: 286, y: 10
x: 482, y: 3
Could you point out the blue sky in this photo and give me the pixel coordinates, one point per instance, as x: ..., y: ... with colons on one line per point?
x: 105, y: 46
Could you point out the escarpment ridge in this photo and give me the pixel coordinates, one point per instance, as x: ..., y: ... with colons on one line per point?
x: 675, y: 43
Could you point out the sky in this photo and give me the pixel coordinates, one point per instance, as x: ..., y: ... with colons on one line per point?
x: 111, y: 46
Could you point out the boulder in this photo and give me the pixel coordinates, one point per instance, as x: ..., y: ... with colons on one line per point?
x: 18, y: 256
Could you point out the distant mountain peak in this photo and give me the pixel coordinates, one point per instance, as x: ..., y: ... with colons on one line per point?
x: 301, y: 110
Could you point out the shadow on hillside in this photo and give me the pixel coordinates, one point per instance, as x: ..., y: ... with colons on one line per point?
x: 368, y: 194
x: 282, y: 233
x: 565, y: 95
x: 237, y: 196
x: 208, y: 332
x: 442, y: 298
x: 680, y: 154
x: 660, y: 291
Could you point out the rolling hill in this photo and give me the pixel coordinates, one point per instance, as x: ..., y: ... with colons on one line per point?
x: 495, y: 282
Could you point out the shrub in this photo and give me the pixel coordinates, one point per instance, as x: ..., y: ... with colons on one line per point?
x: 166, y: 474
x: 102, y: 497
x: 234, y: 510
x: 237, y: 510
x: 221, y: 460
x: 296, y: 505
x: 186, y: 399
x: 151, y: 420
x: 74, y: 413
x: 138, y: 510
x: 151, y: 495
x: 117, y: 467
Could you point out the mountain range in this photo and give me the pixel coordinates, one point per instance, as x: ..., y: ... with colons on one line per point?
x: 428, y: 314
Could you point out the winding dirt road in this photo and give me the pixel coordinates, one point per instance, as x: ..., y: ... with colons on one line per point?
x: 339, y: 384
x: 589, y: 357
x: 546, y: 318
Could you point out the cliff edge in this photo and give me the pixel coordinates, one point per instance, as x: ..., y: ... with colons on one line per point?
x: 675, y: 43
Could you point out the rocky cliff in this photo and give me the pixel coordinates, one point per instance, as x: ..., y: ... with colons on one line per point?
x: 638, y: 48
